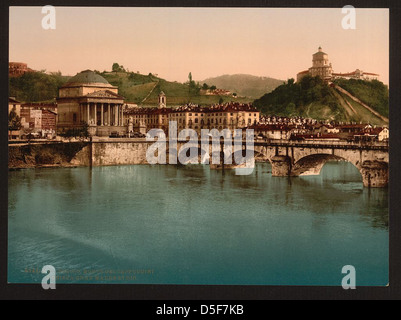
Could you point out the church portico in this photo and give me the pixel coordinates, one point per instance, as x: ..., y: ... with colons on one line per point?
x: 102, y: 113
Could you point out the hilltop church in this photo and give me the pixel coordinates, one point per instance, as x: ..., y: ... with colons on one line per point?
x: 322, y: 68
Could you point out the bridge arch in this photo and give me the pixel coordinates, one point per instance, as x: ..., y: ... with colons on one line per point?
x: 313, y: 164
x: 374, y: 173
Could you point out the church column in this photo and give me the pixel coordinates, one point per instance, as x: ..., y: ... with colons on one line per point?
x: 122, y: 115
x: 101, y: 115
x: 115, y: 115
x: 108, y: 115
x: 95, y: 105
x: 119, y: 115
x: 87, y: 112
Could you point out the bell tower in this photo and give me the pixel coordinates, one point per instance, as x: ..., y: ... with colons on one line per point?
x: 162, y: 100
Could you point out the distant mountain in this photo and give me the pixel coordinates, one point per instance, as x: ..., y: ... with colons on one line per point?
x: 244, y: 84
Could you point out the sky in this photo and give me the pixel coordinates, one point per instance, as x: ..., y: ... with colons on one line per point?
x: 208, y: 42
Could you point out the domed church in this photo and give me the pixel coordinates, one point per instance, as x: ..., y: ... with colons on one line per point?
x: 89, y: 98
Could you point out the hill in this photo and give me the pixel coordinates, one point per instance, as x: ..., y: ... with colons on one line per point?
x: 36, y: 86
x: 244, y: 84
x: 134, y: 87
x: 313, y: 98
x: 144, y: 90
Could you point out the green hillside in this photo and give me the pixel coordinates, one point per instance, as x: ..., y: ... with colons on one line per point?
x: 244, y: 84
x: 134, y: 87
x: 374, y: 93
x: 144, y: 90
x: 313, y: 98
x: 36, y: 86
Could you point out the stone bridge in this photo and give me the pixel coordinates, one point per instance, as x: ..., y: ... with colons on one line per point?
x: 290, y: 158
x: 307, y: 158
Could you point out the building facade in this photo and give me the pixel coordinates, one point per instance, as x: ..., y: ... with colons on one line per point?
x: 39, y: 119
x: 225, y: 116
x: 16, y: 69
x: 89, y: 98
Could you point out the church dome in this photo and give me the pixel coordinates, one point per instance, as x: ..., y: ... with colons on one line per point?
x: 87, y: 77
x: 319, y: 52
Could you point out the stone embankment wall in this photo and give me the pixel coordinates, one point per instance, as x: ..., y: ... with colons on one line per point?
x: 48, y: 154
x: 118, y: 153
x: 65, y: 154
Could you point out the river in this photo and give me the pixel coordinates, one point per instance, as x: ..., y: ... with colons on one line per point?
x: 167, y: 224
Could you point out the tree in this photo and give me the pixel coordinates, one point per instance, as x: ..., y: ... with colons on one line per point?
x: 205, y: 86
x: 14, y: 121
x: 36, y: 86
x: 290, y: 109
x: 81, y: 132
x: 213, y: 88
x: 115, y: 67
x: 190, y: 77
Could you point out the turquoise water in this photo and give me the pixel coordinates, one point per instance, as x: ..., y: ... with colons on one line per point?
x: 192, y: 225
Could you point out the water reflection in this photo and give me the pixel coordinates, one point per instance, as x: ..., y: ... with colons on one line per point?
x: 205, y: 223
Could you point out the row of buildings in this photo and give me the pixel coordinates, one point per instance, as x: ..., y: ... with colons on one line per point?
x: 36, y: 119
x: 320, y: 131
x: 89, y: 99
x: 223, y: 116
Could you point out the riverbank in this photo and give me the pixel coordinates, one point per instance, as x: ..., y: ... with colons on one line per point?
x: 39, y: 155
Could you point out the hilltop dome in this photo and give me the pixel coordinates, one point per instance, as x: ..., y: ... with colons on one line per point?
x: 87, y: 77
x: 319, y: 52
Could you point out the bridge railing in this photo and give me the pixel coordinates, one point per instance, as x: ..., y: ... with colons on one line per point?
x: 332, y: 143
